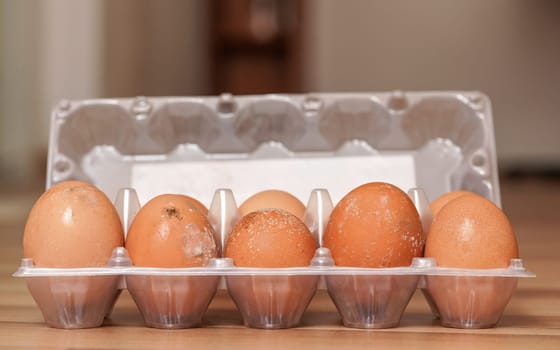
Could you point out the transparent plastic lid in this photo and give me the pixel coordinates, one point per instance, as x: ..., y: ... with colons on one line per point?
x: 437, y: 141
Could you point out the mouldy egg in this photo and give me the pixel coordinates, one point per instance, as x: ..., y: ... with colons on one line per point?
x: 447, y: 197
x: 375, y: 225
x: 270, y: 238
x: 170, y: 231
x: 471, y: 232
x: 273, y: 199
x: 73, y: 224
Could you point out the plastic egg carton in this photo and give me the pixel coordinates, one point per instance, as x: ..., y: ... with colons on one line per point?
x: 436, y: 141
x: 270, y: 297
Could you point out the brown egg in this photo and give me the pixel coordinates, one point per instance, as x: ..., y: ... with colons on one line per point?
x: 471, y: 232
x: 375, y: 225
x: 73, y: 224
x: 273, y: 199
x: 198, y: 205
x: 270, y: 238
x: 170, y: 231
x: 445, y: 198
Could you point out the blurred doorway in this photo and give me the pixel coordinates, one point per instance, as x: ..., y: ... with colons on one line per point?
x: 255, y: 46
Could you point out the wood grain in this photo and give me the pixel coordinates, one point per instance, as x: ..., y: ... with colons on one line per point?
x: 531, y: 320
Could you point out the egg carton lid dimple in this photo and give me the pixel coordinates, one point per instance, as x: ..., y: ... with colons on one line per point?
x: 438, y: 141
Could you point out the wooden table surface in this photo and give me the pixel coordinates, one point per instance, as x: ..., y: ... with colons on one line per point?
x: 531, y: 320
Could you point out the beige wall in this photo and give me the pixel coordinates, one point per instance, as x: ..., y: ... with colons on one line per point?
x: 50, y: 50
x: 155, y: 48
x: 18, y: 87
x: 506, y: 48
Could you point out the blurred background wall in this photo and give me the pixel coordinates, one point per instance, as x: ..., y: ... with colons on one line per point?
x: 54, y: 49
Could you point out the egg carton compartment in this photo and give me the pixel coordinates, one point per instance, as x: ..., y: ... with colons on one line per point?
x: 73, y: 298
x: 172, y: 301
x: 272, y: 300
x: 471, y: 298
x: 270, y: 297
x: 371, y: 301
x: 438, y: 141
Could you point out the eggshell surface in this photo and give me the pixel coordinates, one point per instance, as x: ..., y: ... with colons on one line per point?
x: 375, y: 225
x: 73, y: 224
x: 273, y: 199
x: 471, y: 232
x: 445, y: 198
x: 170, y: 231
x: 270, y: 238
x: 197, y: 204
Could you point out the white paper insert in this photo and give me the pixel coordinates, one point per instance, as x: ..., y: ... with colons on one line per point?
x: 245, y: 177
